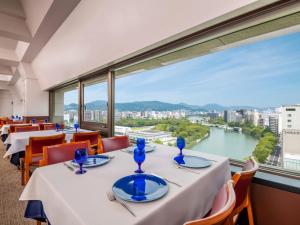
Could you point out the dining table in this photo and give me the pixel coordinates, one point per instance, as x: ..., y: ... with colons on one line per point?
x: 71, y: 199
x: 5, y: 128
x: 17, y: 141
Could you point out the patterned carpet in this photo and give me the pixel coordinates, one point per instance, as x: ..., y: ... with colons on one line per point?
x: 11, y: 209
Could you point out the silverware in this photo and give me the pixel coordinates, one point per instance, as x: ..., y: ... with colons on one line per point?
x: 168, y: 180
x: 126, y: 151
x: 68, y: 166
x: 111, y: 196
x: 187, y: 169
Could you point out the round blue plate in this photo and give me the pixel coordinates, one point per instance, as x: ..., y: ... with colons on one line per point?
x: 140, y: 188
x: 93, y: 161
x: 192, y: 161
x: 148, y: 148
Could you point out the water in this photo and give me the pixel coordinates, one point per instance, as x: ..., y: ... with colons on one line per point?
x: 232, y: 144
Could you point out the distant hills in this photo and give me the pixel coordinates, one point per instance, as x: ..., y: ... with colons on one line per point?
x: 157, y: 106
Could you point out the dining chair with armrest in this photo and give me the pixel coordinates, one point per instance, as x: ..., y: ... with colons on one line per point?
x: 115, y: 143
x: 61, y: 152
x: 94, y: 138
x: 242, y: 181
x: 34, y: 152
x: 222, y: 207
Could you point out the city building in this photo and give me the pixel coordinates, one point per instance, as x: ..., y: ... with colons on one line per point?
x: 290, y: 117
x: 291, y: 149
x: 274, y: 123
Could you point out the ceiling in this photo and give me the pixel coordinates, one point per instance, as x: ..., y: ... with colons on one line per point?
x: 25, y: 28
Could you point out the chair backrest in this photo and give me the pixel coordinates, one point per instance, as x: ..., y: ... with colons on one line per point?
x: 93, y: 137
x: 49, y: 126
x: 62, y: 152
x: 12, y: 127
x: 243, y: 179
x: 222, y: 207
x: 115, y: 143
x: 36, y: 144
x: 26, y: 128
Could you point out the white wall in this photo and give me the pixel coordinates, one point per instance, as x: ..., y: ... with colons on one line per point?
x: 36, y: 101
x: 18, y: 97
x: 5, y: 103
x: 100, y: 32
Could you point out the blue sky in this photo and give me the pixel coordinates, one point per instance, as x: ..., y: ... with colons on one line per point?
x: 262, y: 74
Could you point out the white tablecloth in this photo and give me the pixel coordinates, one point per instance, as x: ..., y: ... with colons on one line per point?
x: 18, y: 141
x: 72, y: 199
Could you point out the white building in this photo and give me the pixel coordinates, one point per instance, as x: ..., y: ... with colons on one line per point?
x: 253, y: 117
x: 290, y: 117
x: 291, y: 149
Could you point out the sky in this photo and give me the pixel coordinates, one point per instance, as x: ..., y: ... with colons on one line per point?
x: 261, y: 74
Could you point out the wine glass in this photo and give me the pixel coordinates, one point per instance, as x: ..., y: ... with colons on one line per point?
x: 46, y: 120
x: 76, y: 126
x: 57, y: 126
x: 180, y: 144
x: 81, y: 157
x: 139, y: 154
x: 33, y: 120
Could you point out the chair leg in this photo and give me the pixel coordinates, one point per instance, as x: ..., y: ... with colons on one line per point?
x: 27, y: 173
x: 249, y: 212
x: 22, y: 172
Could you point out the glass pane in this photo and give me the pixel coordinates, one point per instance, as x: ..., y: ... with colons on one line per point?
x: 66, y: 105
x: 235, y: 102
x: 95, y: 102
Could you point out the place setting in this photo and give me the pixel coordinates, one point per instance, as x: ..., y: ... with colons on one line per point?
x: 84, y: 161
x: 189, y: 162
x: 139, y: 187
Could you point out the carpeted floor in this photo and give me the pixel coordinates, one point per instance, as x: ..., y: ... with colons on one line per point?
x: 11, y: 209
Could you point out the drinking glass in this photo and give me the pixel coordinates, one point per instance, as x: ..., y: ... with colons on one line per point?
x: 57, y: 126
x: 76, y: 126
x: 33, y: 120
x: 81, y: 157
x: 46, y: 121
x: 139, y: 154
x: 180, y: 144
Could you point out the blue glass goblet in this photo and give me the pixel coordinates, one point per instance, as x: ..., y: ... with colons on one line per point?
x: 57, y: 126
x: 180, y: 144
x: 33, y: 120
x: 81, y: 157
x: 46, y: 120
x: 140, y: 143
x: 12, y: 117
x: 76, y: 126
x: 139, y: 156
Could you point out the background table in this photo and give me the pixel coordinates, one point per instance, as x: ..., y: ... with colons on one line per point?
x: 72, y: 199
x: 5, y: 128
x: 18, y: 141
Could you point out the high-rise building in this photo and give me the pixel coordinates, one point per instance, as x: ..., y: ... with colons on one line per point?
x: 229, y: 116
x: 274, y: 123
x: 290, y: 117
x: 253, y: 117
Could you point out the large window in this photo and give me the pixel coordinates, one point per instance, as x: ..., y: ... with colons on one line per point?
x: 65, y: 102
x: 233, y: 102
x: 95, y: 101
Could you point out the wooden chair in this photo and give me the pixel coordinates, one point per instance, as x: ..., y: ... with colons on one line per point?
x: 49, y: 126
x: 34, y: 152
x: 94, y: 138
x: 222, y: 207
x: 242, y: 181
x: 115, y: 143
x: 12, y: 128
x: 62, y: 152
x: 26, y: 128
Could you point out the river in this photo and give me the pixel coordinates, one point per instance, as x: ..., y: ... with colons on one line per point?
x: 232, y: 144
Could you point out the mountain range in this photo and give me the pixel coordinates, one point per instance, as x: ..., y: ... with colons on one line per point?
x: 157, y: 106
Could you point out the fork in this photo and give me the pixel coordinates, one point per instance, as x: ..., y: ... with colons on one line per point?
x: 111, y: 197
